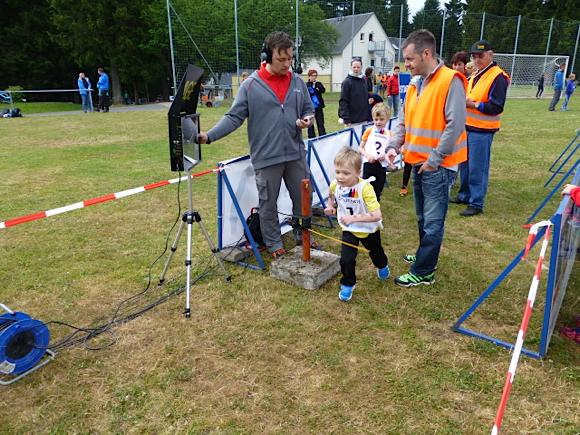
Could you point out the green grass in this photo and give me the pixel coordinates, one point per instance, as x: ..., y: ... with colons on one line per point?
x: 28, y: 108
x: 258, y: 355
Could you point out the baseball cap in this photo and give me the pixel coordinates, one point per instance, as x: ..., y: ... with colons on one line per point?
x: 481, y: 46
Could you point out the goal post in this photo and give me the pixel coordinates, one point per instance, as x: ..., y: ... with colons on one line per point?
x: 525, y: 71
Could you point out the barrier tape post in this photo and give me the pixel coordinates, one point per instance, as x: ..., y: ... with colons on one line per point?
x: 306, y: 219
x: 524, y: 325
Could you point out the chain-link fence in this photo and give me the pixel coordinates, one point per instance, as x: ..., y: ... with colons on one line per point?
x: 225, y: 37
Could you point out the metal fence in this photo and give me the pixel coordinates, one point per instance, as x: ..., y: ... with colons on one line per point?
x: 229, y: 46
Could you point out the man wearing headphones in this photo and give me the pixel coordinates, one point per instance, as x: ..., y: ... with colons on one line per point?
x: 277, y: 105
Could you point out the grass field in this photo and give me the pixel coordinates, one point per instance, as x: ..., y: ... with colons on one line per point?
x: 258, y: 355
x: 29, y: 108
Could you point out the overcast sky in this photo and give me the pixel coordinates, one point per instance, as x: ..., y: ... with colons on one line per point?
x: 415, y: 5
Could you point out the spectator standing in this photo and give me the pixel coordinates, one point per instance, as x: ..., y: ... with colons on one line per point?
x: 384, y: 81
x: 316, y: 89
x: 393, y: 91
x: 84, y: 86
x: 370, y: 79
x: 486, y: 94
x: 276, y: 104
x: 459, y: 62
x: 432, y: 129
x: 103, y: 87
x: 558, y: 85
x: 353, y: 106
x: 570, y: 87
x: 540, y: 86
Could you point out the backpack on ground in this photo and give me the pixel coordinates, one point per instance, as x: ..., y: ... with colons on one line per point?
x: 253, y: 222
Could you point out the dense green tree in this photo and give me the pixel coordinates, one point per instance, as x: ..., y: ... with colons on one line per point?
x: 115, y: 35
x: 430, y: 18
x: 392, y: 23
x: 29, y: 58
x: 454, y: 10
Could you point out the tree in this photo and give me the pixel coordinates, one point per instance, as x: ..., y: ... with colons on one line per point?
x: 29, y: 58
x: 430, y: 18
x: 454, y: 10
x: 115, y: 35
x: 393, y: 20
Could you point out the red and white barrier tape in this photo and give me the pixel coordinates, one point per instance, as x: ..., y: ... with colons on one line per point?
x: 525, y: 321
x: 99, y: 200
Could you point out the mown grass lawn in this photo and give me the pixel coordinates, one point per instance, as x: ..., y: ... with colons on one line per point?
x: 258, y: 355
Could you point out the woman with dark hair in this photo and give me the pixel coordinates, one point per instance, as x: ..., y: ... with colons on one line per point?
x: 459, y: 62
x: 316, y: 89
x: 369, y: 79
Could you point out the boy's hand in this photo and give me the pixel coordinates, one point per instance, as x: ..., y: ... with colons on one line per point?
x: 347, y: 220
x: 202, y: 137
x: 330, y: 210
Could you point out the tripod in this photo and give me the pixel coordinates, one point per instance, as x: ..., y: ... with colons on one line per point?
x: 190, y: 217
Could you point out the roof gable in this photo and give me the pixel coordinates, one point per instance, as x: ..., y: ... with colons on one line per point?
x: 346, y: 28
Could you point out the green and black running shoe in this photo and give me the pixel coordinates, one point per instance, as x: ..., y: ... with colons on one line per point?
x: 409, y: 258
x: 411, y: 280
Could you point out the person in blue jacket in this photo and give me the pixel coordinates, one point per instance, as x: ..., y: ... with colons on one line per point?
x: 570, y: 87
x: 85, y: 91
x: 558, y: 85
x: 103, y: 87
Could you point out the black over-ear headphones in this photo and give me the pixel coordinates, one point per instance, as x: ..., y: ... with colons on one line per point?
x: 266, y: 53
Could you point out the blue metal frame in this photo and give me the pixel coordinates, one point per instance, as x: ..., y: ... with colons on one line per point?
x: 458, y: 328
x: 565, y: 150
x: 242, y: 218
x: 553, y: 191
x: 559, y: 170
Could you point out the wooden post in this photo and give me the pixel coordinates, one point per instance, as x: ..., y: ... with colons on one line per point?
x: 306, y: 212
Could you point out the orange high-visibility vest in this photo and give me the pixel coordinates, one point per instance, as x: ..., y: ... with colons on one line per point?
x: 480, y: 94
x: 425, y: 120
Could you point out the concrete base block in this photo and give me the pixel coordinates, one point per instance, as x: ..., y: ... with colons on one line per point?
x: 309, y: 275
x: 234, y: 254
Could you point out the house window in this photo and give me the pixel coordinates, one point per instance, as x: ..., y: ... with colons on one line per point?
x: 370, y: 37
x: 372, y: 62
x: 362, y: 36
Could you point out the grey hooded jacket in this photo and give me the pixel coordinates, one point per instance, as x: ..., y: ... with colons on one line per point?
x: 272, y: 132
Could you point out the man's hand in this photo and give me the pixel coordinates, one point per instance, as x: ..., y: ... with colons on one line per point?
x: 470, y: 104
x: 304, y: 122
x: 425, y: 167
x: 202, y: 137
x: 390, y: 156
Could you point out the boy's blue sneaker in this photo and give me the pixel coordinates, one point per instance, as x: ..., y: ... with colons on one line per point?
x: 384, y: 273
x: 411, y: 280
x: 345, y: 293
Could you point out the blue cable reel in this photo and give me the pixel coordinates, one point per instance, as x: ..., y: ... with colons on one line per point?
x: 23, y: 344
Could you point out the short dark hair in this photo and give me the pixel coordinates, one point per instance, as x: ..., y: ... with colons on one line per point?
x: 460, y: 56
x: 396, y: 67
x: 422, y: 39
x: 279, y: 41
x: 368, y: 71
x: 100, y: 69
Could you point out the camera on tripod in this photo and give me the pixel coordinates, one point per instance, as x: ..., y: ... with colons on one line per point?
x: 184, y: 148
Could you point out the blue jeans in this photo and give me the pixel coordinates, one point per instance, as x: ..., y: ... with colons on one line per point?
x: 566, y: 101
x: 431, y: 191
x: 395, y: 103
x: 475, y: 172
x: 85, y: 102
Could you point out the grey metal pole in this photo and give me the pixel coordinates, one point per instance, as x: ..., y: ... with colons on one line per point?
x: 400, y: 34
x: 442, y: 33
x: 352, y: 32
x: 482, y: 26
x: 237, y: 42
x: 171, y: 48
x: 548, y: 44
x: 575, y: 48
x: 515, y: 49
x: 297, y: 54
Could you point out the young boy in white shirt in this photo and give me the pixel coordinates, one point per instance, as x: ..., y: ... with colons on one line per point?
x: 354, y: 202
